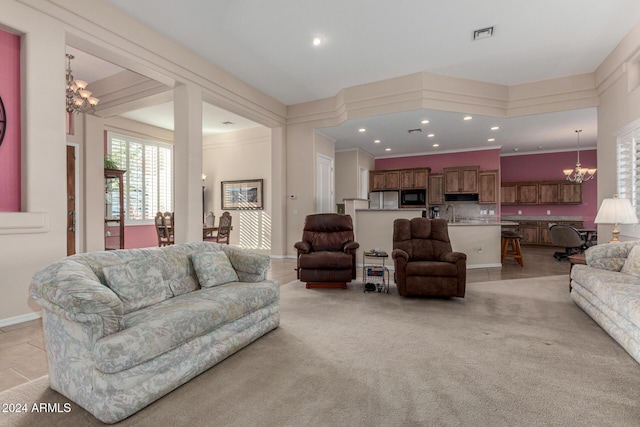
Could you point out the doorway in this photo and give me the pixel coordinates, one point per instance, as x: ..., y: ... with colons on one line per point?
x: 324, y: 184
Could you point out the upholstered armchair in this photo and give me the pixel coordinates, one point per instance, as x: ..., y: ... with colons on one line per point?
x: 425, y: 264
x: 327, y: 251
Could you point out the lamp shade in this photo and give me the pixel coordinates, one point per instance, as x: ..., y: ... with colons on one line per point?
x: 616, y: 211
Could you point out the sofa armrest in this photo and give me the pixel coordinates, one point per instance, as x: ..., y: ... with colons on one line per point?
x: 350, y: 247
x: 303, y: 247
x: 250, y: 266
x: 453, y: 257
x: 609, y: 256
x: 72, y: 291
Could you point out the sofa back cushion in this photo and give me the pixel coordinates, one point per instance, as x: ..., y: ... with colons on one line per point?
x: 138, y: 284
x: 422, y: 239
x: 213, y: 269
x: 632, y: 263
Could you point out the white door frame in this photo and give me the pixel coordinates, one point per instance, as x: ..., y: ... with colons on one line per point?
x: 324, y: 184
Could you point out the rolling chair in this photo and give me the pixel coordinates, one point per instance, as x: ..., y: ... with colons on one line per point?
x: 569, y: 238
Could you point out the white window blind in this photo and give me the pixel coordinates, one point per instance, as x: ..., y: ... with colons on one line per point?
x: 148, y: 182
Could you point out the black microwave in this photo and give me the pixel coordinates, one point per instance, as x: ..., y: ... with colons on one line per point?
x: 413, y: 197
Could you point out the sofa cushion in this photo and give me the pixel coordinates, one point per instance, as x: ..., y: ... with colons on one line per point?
x: 632, y: 263
x: 213, y: 269
x: 326, y: 260
x: 431, y: 268
x: 157, y: 329
x: 138, y: 284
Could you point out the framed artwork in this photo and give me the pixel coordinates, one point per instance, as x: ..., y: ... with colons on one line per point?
x: 242, y: 194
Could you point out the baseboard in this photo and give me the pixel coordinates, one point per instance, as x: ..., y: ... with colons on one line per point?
x: 473, y: 266
x: 20, y: 319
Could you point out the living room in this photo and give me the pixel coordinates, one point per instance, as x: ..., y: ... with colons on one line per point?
x: 34, y: 235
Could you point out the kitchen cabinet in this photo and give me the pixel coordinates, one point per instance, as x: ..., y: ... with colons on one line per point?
x: 509, y: 194
x: 384, y: 180
x: 488, y: 187
x: 570, y: 193
x: 398, y: 179
x: 461, y: 180
x: 413, y: 179
x: 540, y: 193
x: 436, y: 189
x: 527, y: 194
x: 537, y: 232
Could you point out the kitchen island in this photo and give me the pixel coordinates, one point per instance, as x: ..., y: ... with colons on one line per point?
x: 479, y: 239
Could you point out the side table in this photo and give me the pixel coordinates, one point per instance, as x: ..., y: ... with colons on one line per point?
x: 573, y: 260
x: 376, y: 272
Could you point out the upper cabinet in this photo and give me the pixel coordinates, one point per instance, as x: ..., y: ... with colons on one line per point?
x: 436, y: 189
x: 461, y: 179
x: 541, y: 193
x: 488, y: 187
x: 398, y: 179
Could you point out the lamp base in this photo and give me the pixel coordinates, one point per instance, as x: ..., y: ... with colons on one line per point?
x: 614, y: 234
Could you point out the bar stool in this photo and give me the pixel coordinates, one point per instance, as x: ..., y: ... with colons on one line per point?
x: 511, y: 238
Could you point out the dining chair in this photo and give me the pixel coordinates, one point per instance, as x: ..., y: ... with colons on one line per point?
x: 164, y: 228
x: 224, y: 228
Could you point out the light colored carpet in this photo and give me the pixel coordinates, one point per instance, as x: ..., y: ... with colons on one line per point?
x: 512, y: 353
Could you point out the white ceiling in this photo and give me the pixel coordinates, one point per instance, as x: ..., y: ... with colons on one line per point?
x: 268, y: 45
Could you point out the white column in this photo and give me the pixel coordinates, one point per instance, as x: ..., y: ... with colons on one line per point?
x: 278, y: 193
x: 187, y: 161
x: 93, y: 203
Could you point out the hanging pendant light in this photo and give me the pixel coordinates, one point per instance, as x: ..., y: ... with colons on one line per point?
x: 79, y: 99
x: 579, y: 174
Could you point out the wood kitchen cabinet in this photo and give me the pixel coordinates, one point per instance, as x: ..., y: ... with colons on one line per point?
x: 540, y: 193
x: 527, y: 194
x: 461, y: 179
x: 488, y: 187
x: 537, y: 232
x: 509, y: 194
x: 436, y: 189
x: 384, y: 180
x: 529, y: 232
x: 398, y: 179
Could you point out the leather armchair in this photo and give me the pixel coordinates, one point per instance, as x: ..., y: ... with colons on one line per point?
x: 425, y: 264
x: 327, y: 251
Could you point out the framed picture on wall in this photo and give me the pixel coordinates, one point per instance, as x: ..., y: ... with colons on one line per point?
x: 242, y: 194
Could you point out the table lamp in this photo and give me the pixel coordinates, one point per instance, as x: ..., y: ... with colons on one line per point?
x: 616, y: 211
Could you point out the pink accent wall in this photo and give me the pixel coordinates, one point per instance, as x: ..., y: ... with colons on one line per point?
x: 140, y: 236
x: 486, y: 159
x: 549, y: 166
x: 10, y: 173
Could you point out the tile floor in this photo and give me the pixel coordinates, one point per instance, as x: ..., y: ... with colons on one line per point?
x: 23, y: 358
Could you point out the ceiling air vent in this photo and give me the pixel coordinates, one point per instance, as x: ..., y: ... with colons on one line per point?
x: 484, y: 33
x: 414, y: 130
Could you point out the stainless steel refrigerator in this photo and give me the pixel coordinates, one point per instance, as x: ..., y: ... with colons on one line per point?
x: 383, y: 200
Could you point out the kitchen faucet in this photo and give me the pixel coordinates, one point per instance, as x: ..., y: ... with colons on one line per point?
x: 453, y: 212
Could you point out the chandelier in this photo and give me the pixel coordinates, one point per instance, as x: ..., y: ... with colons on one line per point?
x: 79, y: 99
x: 579, y: 174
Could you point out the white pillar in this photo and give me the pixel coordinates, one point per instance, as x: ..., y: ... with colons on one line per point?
x: 187, y: 161
x: 278, y: 193
x: 93, y: 203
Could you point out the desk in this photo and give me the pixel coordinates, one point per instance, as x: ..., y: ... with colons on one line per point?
x: 589, y: 234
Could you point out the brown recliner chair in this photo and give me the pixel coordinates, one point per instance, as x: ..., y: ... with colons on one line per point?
x: 424, y: 262
x: 327, y: 252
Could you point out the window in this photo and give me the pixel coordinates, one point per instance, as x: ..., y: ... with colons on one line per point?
x: 148, y: 182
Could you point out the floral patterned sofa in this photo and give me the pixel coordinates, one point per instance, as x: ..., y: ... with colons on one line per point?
x: 123, y: 328
x: 608, y: 290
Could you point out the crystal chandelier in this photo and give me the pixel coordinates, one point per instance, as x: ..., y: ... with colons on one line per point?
x: 579, y: 174
x: 79, y: 99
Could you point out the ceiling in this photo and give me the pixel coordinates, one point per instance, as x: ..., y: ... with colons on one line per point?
x: 268, y: 45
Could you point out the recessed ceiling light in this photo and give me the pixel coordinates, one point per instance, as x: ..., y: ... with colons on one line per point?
x: 317, y: 41
x: 424, y: 122
x: 491, y: 139
x: 362, y: 130
x: 539, y: 147
x: 377, y: 141
x: 495, y: 128
x: 436, y: 145
x: 431, y: 135
x: 467, y: 118
x: 387, y: 149
x: 516, y: 149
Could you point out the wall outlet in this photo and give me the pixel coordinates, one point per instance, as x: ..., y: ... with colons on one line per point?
x: 519, y: 212
x: 491, y: 212
x: 548, y: 211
